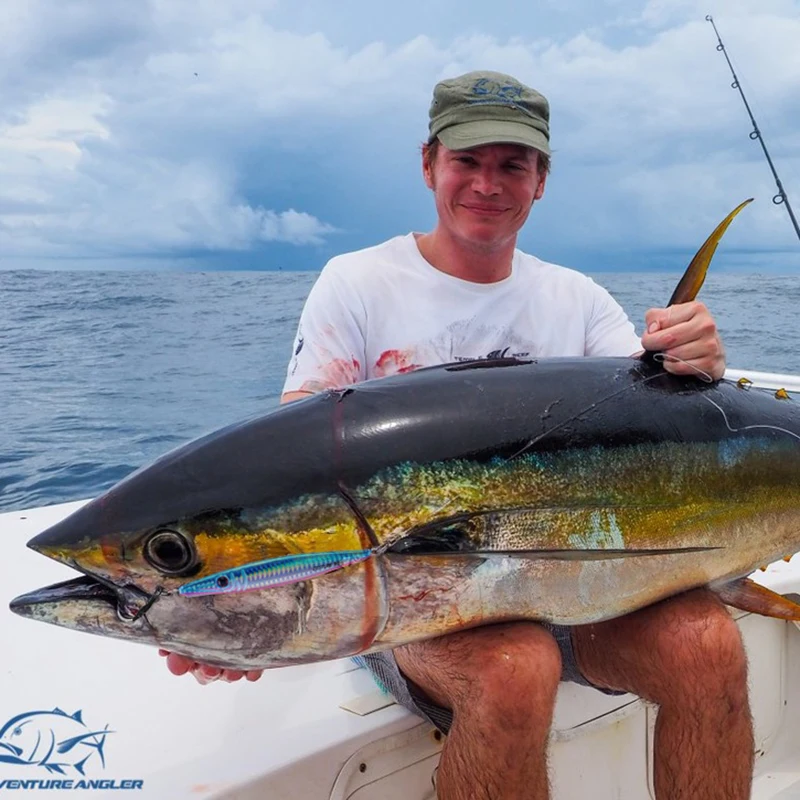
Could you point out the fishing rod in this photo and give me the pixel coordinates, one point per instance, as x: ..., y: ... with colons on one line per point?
x: 781, y: 198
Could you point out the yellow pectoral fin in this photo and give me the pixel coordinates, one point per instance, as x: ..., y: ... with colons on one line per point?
x: 695, y: 274
x: 747, y: 595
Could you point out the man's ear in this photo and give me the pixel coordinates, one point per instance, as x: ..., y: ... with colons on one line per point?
x: 540, y: 188
x: 427, y: 169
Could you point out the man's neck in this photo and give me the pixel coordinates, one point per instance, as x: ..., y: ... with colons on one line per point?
x: 465, y: 261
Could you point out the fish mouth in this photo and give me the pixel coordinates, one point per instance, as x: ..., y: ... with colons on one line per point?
x: 90, y: 604
x: 17, y: 751
x: 83, y: 588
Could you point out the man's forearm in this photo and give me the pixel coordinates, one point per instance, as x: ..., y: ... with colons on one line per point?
x: 287, y: 397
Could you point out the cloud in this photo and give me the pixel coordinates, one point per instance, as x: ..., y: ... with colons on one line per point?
x: 149, y: 205
x: 191, y: 127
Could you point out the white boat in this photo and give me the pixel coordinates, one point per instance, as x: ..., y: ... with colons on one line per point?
x: 324, y: 731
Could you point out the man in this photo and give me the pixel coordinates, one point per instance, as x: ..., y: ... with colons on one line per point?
x: 463, y: 291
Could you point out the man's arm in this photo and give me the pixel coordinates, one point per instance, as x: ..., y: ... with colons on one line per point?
x: 287, y: 397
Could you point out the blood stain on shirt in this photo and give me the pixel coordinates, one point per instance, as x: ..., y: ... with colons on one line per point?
x: 393, y: 362
x: 335, y: 374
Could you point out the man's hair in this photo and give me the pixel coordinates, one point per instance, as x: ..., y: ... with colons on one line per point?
x: 431, y: 149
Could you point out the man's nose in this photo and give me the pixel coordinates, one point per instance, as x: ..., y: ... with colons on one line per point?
x: 486, y: 181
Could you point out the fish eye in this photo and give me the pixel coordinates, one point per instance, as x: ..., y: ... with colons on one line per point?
x: 222, y: 582
x: 169, y: 551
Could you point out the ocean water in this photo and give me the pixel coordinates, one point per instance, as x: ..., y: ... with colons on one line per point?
x: 102, y: 372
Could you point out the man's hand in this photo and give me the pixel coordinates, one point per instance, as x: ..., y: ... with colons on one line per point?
x: 205, y: 673
x: 686, y: 332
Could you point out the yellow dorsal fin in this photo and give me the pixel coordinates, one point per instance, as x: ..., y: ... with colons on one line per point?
x: 689, y: 285
x: 744, y: 383
x: 782, y: 394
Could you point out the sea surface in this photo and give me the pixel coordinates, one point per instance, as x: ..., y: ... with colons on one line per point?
x: 102, y: 372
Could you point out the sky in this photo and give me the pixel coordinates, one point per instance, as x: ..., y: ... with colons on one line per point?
x: 266, y: 134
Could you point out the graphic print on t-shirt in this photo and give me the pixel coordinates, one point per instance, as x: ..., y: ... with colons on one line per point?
x: 462, y: 340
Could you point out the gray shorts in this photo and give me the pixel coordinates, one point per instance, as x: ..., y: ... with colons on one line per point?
x: 388, y: 676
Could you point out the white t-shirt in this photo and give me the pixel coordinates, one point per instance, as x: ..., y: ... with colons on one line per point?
x: 385, y: 309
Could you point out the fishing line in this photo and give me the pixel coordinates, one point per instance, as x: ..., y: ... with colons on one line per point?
x: 662, y: 357
x: 749, y: 427
x: 659, y: 357
x: 541, y: 436
x: 579, y: 414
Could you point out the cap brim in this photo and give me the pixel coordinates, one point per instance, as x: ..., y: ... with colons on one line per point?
x: 476, y: 134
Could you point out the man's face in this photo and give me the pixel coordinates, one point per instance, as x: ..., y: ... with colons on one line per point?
x: 483, y: 196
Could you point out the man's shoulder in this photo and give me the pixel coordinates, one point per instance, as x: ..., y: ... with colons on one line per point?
x: 535, y: 269
x: 361, y: 263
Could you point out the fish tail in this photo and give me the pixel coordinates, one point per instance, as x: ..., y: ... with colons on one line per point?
x: 100, y: 745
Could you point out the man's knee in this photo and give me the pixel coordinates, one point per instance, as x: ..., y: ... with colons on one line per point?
x: 498, y: 667
x: 698, y: 632
x: 522, y: 658
x: 683, y: 646
x: 695, y: 649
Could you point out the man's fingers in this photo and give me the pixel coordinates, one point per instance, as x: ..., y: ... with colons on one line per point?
x: 667, y: 338
x: 693, y: 351
x: 696, y: 358
x: 656, y: 319
x: 202, y: 678
x: 179, y: 665
x: 700, y: 328
x: 206, y: 673
x: 674, y: 315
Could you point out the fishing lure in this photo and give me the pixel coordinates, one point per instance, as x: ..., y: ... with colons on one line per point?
x: 274, y: 572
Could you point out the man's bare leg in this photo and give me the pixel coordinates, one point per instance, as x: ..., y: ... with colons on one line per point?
x: 500, y: 682
x: 686, y: 655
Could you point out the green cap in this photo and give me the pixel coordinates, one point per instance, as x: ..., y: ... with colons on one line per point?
x: 488, y: 108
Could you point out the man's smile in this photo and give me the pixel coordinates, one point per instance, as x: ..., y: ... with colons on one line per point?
x: 485, y: 211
